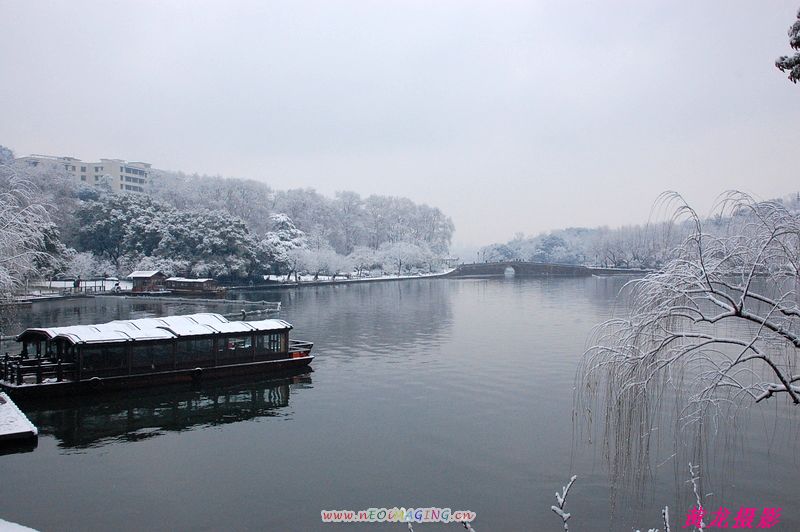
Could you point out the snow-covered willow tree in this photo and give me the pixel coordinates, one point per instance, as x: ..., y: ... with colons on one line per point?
x: 792, y: 64
x: 716, y: 330
x: 22, y: 223
x: 718, y: 327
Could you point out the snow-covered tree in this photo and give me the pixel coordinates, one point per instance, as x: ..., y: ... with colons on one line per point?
x: 55, y: 255
x: 497, y: 253
x: 167, y: 265
x: 349, y: 216
x: 338, y: 265
x: 128, y: 228
x: 56, y: 190
x: 792, y: 63
x: 343, y: 222
x: 85, y: 265
x: 363, y: 259
x: 250, y: 200
x: 321, y: 261
x: 23, y: 225
x: 277, y: 248
x: 719, y: 323
x: 118, y: 224
x: 214, y: 242
x: 401, y: 256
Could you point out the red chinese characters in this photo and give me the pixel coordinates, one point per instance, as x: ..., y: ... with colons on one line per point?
x: 745, y: 517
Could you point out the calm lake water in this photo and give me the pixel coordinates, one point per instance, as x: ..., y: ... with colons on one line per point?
x: 448, y: 393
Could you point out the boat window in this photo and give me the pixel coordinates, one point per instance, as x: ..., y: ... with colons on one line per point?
x: 234, y: 348
x: 270, y: 343
x: 104, y: 357
x: 275, y: 343
x: 150, y: 356
x: 192, y: 350
x: 238, y: 342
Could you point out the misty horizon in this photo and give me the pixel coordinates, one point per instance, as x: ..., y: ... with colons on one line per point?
x: 524, y: 119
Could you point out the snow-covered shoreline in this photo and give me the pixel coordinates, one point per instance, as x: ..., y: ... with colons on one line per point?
x: 278, y: 281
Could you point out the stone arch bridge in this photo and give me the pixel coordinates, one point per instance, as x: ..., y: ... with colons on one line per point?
x: 535, y: 269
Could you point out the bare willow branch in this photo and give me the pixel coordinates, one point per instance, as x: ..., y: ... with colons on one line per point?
x: 717, y: 328
x: 22, y: 220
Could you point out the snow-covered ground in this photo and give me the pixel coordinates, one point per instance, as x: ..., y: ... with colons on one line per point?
x: 8, y: 526
x: 13, y: 423
x: 305, y: 278
x: 89, y: 285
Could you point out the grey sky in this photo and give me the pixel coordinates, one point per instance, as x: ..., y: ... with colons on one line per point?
x: 510, y: 116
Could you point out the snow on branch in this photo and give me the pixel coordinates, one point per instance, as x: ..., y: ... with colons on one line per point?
x: 561, y: 498
x: 792, y: 63
x: 718, y: 327
x: 22, y: 223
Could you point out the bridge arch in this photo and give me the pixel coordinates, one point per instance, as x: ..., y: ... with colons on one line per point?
x: 519, y: 268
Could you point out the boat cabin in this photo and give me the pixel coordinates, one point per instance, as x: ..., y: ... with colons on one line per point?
x: 147, y: 281
x: 186, y: 285
x: 127, y: 352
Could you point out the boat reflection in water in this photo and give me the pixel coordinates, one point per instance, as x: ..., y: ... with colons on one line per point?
x: 81, y: 422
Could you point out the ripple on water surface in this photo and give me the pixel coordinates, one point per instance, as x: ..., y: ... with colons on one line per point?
x: 453, y: 393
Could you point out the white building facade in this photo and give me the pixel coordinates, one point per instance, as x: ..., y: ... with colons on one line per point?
x: 117, y: 174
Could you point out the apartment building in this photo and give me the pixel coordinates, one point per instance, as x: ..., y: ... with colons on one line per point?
x: 117, y: 174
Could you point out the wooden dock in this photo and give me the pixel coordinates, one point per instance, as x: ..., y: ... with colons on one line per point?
x: 14, y: 425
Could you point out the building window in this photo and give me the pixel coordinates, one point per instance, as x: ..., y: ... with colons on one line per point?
x: 83, y: 178
x: 83, y: 168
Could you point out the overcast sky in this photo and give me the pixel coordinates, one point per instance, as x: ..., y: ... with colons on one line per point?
x: 509, y: 116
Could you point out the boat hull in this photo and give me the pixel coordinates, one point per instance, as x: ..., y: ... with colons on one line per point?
x: 126, y: 382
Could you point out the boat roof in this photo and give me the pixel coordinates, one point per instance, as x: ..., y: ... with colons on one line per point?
x: 145, y: 329
x: 144, y: 274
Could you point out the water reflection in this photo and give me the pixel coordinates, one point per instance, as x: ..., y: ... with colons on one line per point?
x: 101, y: 309
x: 379, y: 314
x: 379, y: 317
x: 457, y: 391
x: 96, y: 421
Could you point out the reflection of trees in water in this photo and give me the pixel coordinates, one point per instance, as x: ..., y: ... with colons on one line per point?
x: 85, y: 311
x: 606, y: 287
x: 8, y: 318
x: 373, y: 315
x: 94, y: 421
x: 392, y: 313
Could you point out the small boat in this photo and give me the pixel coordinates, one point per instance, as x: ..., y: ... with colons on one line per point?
x: 126, y: 354
x: 199, y: 287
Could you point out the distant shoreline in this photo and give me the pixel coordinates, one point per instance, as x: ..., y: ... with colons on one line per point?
x: 343, y: 280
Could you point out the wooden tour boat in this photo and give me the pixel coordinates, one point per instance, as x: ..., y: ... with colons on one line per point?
x: 144, y: 352
x: 201, y: 287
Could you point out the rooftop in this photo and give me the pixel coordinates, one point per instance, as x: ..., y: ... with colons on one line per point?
x: 143, y: 274
x: 144, y: 329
